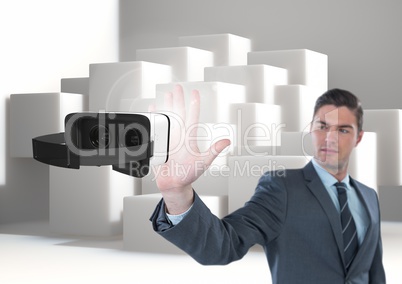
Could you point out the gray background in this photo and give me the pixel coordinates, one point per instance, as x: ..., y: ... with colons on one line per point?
x: 363, y: 41
x: 361, y: 38
x: 44, y: 41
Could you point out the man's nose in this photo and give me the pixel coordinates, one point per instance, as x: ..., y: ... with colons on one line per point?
x: 332, y: 135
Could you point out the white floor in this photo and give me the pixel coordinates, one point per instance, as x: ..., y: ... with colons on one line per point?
x: 29, y: 254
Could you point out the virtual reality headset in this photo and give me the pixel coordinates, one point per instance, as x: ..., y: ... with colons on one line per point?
x: 130, y: 142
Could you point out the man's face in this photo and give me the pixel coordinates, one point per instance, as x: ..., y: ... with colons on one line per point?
x: 334, y: 134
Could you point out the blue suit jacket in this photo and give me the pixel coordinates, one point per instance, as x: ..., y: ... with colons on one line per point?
x: 292, y: 216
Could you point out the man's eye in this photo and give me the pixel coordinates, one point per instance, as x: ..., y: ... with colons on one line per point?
x: 343, y: 130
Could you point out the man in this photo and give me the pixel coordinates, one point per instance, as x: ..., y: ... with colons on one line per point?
x: 316, y: 224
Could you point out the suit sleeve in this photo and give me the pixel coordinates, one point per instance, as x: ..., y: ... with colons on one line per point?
x: 377, y: 273
x: 210, y: 240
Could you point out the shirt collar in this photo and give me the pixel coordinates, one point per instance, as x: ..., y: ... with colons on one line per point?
x: 327, y: 179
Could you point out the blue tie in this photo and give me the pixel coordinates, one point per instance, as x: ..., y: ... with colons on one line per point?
x: 348, y: 226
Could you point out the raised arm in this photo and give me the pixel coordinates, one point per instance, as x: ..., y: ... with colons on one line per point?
x: 186, y: 163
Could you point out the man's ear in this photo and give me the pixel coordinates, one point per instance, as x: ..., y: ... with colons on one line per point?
x: 359, y: 137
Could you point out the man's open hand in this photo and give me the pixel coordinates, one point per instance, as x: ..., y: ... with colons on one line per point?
x: 186, y: 163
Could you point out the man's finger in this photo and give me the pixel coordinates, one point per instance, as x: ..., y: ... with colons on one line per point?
x: 179, y: 106
x: 215, y: 150
x: 194, y: 113
x: 168, y: 102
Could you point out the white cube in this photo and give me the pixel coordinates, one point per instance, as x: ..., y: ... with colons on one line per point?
x: 259, y: 80
x: 215, y: 98
x: 76, y: 86
x: 138, y: 232
x: 297, y: 102
x: 257, y: 124
x: 246, y: 171
x: 89, y: 201
x: 305, y: 67
x: 387, y: 124
x: 228, y: 49
x: 363, y: 162
x: 142, y: 105
x: 148, y: 183
x: 296, y: 144
x: 187, y: 63
x: 116, y: 86
x: 33, y: 115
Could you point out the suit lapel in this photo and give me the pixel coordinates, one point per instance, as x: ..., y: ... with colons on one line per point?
x: 316, y: 186
x: 368, y: 205
x: 366, y: 201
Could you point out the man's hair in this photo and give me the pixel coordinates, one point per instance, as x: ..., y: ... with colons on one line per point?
x: 339, y: 98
